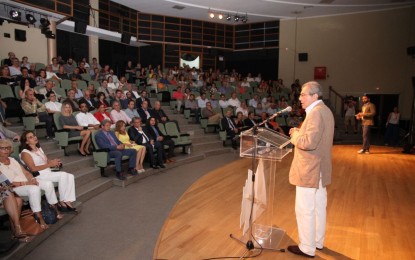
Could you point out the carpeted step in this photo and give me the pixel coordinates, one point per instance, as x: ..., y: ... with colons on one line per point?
x: 93, y: 188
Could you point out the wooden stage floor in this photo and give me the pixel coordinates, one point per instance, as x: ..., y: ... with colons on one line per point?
x: 371, y: 210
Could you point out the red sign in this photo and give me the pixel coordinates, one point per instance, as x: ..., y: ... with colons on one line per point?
x: 320, y: 72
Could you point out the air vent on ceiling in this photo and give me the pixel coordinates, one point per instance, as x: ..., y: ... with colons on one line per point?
x: 178, y: 7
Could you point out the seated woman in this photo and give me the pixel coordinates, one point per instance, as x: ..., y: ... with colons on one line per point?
x: 124, y: 138
x: 24, y: 184
x: 101, y: 114
x: 239, y: 122
x: 36, y: 160
x: 101, y: 99
x: 68, y: 121
x: 13, y: 206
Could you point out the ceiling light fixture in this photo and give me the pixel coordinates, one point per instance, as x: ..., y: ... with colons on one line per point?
x: 31, y: 18
x: 228, y: 18
x: 236, y: 18
x: 212, y: 15
x: 16, y: 15
x: 220, y: 16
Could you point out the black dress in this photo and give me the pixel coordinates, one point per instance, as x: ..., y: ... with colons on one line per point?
x: 71, y: 121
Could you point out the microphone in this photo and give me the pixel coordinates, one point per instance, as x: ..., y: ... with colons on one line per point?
x: 285, y: 110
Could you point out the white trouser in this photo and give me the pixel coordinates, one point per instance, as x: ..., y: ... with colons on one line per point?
x: 33, y: 192
x: 310, y: 210
x: 66, y: 184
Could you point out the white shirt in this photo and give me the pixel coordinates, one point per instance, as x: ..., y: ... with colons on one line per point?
x: 245, y: 84
x: 234, y: 102
x: 54, y: 106
x: 85, y: 119
x: 223, y: 103
x: 202, y: 102
x: 135, y: 93
x: 253, y: 103
x: 244, y: 111
x: 121, y: 115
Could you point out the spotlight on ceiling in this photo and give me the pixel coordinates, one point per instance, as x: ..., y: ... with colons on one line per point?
x: 220, y: 16
x: 31, y: 18
x: 212, y: 15
x: 44, y: 22
x: 16, y: 15
x: 236, y: 18
x: 228, y: 18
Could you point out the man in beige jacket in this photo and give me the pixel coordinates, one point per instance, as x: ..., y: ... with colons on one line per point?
x: 311, y: 169
x: 367, y: 115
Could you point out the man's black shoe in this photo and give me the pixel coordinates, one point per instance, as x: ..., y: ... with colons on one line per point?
x: 154, y: 167
x: 162, y: 166
x: 120, y: 176
x: 296, y: 250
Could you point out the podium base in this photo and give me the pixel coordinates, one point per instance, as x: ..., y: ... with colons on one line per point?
x: 266, y: 237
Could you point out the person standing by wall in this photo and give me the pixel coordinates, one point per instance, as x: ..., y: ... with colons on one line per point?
x: 367, y: 115
x: 392, y: 127
x: 311, y: 170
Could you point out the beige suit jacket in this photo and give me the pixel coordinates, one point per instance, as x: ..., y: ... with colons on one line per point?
x: 313, y: 149
x: 369, y: 112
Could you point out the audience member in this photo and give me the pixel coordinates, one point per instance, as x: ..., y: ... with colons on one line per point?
x: 106, y: 139
x: 101, y: 114
x: 158, y: 137
x: 144, y: 111
x: 52, y: 105
x: 234, y: 101
x: 15, y: 69
x: 140, y: 137
x: 32, y: 106
x: 71, y: 100
x: 88, y: 100
x: 179, y: 96
x: 130, y: 110
x: 242, y: 108
x: 231, y: 130
x: 392, y: 127
x: 101, y: 100
x: 68, y: 121
x: 209, y: 113
x: 36, y: 160
x: 86, y: 119
x: 192, y: 105
x: 122, y: 135
x: 41, y: 78
x: 118, y: 114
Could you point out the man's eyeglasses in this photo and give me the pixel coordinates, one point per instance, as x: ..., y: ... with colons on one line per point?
x: 5, y: 148
x: 305, y: 94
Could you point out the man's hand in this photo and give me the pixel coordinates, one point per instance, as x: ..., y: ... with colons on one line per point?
x: 292, y: 130
x: 120, y: 147
x: 160, y: 138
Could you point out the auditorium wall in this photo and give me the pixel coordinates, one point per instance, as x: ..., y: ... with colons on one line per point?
x: 35, y: 46
x: 363, y: 53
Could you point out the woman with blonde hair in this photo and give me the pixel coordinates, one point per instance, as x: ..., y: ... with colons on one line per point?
x: 68, y: 121
x: 122, y: 135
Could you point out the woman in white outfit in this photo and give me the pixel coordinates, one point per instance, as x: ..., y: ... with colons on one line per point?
x: 24, y: 184
x: 34, y: 158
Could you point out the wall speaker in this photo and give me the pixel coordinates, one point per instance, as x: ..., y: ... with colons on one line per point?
x: 80, y: 27
x: 303, y: 56
x: 126, y: 38
x: 19, y: 35
x: 411, y: 51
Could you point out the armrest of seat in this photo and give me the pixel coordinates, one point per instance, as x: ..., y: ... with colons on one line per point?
x: 102, y: 150
x: 185, y: 134
x: 31, y: 115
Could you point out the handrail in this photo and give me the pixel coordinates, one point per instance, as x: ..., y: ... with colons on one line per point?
x: 336, y: 102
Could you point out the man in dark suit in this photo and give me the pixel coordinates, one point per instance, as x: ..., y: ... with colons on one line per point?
x: 158, y: 136
x: 143, y: 97
x: 250, y: 122
x: 144, y: 112
x: 90, y: 102
x: 139, y: 136
x: 106, y: 139
x: 231, y: 129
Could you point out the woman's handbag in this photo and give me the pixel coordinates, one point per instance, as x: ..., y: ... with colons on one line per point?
x: 28, y: 223
x: 49, y: 213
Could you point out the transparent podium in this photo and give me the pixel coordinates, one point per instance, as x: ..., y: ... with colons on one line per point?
x: 266, y: 148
